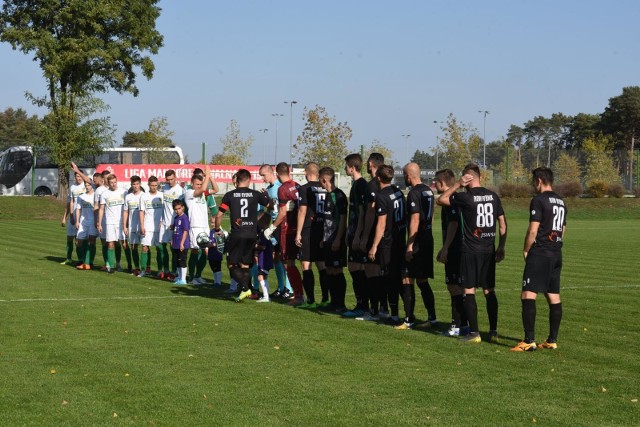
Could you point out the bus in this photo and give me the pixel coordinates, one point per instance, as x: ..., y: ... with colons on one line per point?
x: 19, y: 174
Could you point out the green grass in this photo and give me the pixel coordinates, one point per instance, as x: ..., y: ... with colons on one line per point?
x: 77, y: 348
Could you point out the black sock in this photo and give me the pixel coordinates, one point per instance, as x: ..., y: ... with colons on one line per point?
x: 382, y: 293
x: 341, y: 289
x: 374, y: 294
x: 492, y: 310
x: 308, y: 283
x: 408, y: 294
x: 471, y: 309
x: 236, y: 274
x: 457, y: 309
x: 529, y: 320
x: 361, y: 279
x: 555, y: 316
x: 246, y: 278
x: 428, y: 299
x: 393, y: 284
x: 324, y: 287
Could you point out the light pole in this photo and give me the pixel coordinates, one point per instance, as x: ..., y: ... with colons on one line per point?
x: 406, y: 145
x: 264, y: 147
x: 484, y: 138
x: 291, y: 131
x: 438, y: 122
x: 275, y: 155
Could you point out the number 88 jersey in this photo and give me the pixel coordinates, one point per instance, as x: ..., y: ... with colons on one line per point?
x: 480, y: 209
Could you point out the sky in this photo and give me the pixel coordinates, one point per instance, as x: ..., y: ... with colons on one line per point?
x: 386, y: 68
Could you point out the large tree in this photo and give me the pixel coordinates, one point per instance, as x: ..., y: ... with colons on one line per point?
x: 17, y: 128
x: 378, y: 147
x: 323, y: 140
x: 157, y: 136
x: 82, y: 47
x: 234, y: 149
x: 459, y: 145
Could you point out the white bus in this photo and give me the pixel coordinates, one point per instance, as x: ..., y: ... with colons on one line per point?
x: 18, y: 174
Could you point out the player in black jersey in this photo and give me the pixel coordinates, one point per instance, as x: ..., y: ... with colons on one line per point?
x: 419, y: 253
x: 543, y: 257
x: 357, y: 258
x: 481, y: 212
x: 242, y: 204
x: 389, y: 242
x: 449, y: 255
x: 309, y: 235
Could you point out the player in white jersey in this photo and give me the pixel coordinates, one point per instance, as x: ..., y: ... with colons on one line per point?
x: 171, y: 191
x: 85, y: 215
x: 69, y: 217
x: 111, y: 207
x: 131, y: 224
x: 101, y: 187
x: 196, y: 201
x: 151, y: 210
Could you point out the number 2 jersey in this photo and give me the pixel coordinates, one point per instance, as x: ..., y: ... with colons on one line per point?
x: 242, y: 204
x: 479, y: 209
x: 550, y: 211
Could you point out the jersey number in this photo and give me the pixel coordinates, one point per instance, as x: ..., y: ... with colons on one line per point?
x: 320, y: 203
x: 244, y: 208
x: 398, y: 210
x: 558, y: 218
x: 484, y: 216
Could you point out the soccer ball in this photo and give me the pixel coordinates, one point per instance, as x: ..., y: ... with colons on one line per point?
x: 202, y: 240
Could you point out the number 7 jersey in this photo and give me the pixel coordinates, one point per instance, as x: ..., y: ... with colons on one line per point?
x: 479, y: 209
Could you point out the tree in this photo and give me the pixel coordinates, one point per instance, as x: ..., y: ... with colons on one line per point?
x: 600, y: 164
x: 235, y: 148
x: 17, y: 128
x: 378, y: 147
x: 512, y: 171
x: 155, y: 138
x: 459, y: 146
x: 323, y: 140
x: 425, y: 160
x: 566, y: 169
x: 82, y: 47
x: 582, y: 126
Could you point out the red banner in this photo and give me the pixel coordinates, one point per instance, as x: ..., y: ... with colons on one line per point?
x: 219, y: 173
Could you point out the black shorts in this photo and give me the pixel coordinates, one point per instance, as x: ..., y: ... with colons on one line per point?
x: 390, y: 261
x: 357, y: 255
x: 542, y: 273
x: 478, y: 270
x: 421, y: 265
x: 240, y: 248
x: 452, y: 268
x: 335, y: 259
x: 311, y: 238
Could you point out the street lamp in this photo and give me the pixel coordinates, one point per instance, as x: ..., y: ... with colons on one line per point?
x: 484, y: 138
x: 438, y: 122
x: 291, y: 131
x: 275, y: 155
x: 264, y: 147
x: 406, y: 145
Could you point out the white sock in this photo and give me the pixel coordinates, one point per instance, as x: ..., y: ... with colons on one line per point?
x: 233, y: 285
x: 183, y: 273
x: 265, y: 288
x: 217, y: 277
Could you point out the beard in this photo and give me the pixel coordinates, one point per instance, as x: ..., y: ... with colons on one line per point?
x: 407, y: 183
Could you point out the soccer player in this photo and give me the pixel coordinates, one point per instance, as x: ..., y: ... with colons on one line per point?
x: 151, y: 212
x: 284, y: 287
x: 543, y: 260
x: 389, y: 245
x: 101, y: 187
x: 171, y: 191
x: 419, y: 252
x: 286, y: 224
x: 356, y: 258
x: 196, y: 201
x: 333, y: 242
x: 131, y: 224
x: 85, y: 214
x: 180, y: 240
x: 449, y: 255
x: 69, y: 217
x: 309, y: 235
x: 111, y: 207
x: 242, y: 204
x: 481, y: 212
x: 264, y: 257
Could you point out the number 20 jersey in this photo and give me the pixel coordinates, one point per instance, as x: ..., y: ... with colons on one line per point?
x: 551, y: 212
x: 479, y: 209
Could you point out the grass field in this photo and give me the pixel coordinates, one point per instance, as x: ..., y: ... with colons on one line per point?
x: 87, y: 348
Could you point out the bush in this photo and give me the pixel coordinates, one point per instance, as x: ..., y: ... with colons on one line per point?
x: 636, y: 191
x: 597, y: 188
x: 569, y: 189
x: 616, y: 190
x: 510, y: 190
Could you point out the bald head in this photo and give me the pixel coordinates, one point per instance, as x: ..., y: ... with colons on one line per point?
x: 311, y: 171
x: 412, y: 174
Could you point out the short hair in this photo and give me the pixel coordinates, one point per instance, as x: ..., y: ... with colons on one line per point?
x: 267, y: 167
x: 282, y: 168
x: 169, y: 173
x: 177, y: 202
x: 312, y: 168
x: 385, y: 173
x: 111, y: 176
x: 543, y: 173
x: 376, y: 158
x: 135, y: 178
x: 97, y: 175
x: 328, y: 172
x: 446, y: 176
x: 354, y: 160
x: 198, y: 171
x: 243, y: 175
x: 105, y: 173
x: 197, y: 177
x: 153, y: 178
x: 471, y: 167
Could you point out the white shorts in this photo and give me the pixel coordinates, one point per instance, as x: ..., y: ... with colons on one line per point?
x: 166, y: 234
x: 113, y: 233
x: 193, y: 234
x: 150, y: 238
x: 71, y: 229
x: 134, y: 238
x: 85, y: 232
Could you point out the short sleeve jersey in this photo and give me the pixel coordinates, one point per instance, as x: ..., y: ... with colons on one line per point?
x: 242, y: 205
x: 85, y: 205
x: 420, y: 201
x: 356, y: 204
x: 74, y: 191
x: 479, y: 210
x: 450, y: 214
x: 180, y: 225
x: 289, y: 198
x: 114, y: 204
x: 197, y: 206
x: 169, y: 194
x: 336, y: 206
x: 390, y: 202
x: 312, y: 195
x: 132, y: 205
x: 272, y: 191
x: 152, y: 206
x: 97, y: 194
x: 550, y: 211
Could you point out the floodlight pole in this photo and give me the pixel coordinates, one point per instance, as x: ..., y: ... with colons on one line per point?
x: 484, y: 138
x: 291, y: 131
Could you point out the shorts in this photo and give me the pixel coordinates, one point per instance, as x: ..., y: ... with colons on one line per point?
x: 71, y: 228
x: 288, y: 247
x: 113, y: 233
x: 311, y: 238
x: 452, y: 268
x: 239, y: 248
x: 134, y: 237
x: 421, y: 265
x: 335, y: 259
x: 478, y: 270
x: 166, y: 234
x: 86, y: 232
x: 356, y: 255
x: 542, y: 273
x: 265, y: 262
x: 193, y: 235
x: 150, y: 238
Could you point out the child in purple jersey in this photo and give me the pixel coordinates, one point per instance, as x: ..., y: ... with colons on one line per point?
x: 180, y: 242
x: 264, y: 256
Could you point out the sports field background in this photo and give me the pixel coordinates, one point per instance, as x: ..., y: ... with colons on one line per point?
x: 87, y: 348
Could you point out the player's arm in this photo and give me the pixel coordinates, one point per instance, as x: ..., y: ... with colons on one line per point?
x: 125, y: 221
x: 100, y: 216
x: 502, y: 224
x: 75, y: 169
x: 443, y: 255
x: 205, y: 183
x: 77, y: 215
x: 141, y: 215
x: 414, y: 223
x: 380, y: 226
x: 530, y: 237
x: 302, y: 213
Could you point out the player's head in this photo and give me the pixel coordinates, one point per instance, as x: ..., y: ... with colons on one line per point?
x: 88, y: 187
x: 411, y: 172
x: 178, y: 206
x: 384, y: 173
x: 352, y: 164
x: 97, y: 178
x: 170, y: 177
x: 266, y: 172
x: 197, y: 180
x: 311, y: 171
x: 375, y: 160
x: 541, y: 177
x: 153, y: 184
x: 282, y: 171
x: 327, y: 178
x: 78, y: 177
x: 198, y: 171
x: 112, y: 182
x: 472, y: 169
x: 234, y: 180
x: 135, y: 183
x: 105, y: 174
x: 444, y: 179
x: 243, y: 178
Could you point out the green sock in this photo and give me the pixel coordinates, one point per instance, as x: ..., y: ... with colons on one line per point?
x: 144, y: 259
x: 69, y: 249
x: 118, y: 252
x: 193, y: 261
x: 105, y: 254
x: 91, y: 254
x: 159, y: 257
x: 202, y: 262
x: 111, y: 256
x: 165, y: 258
